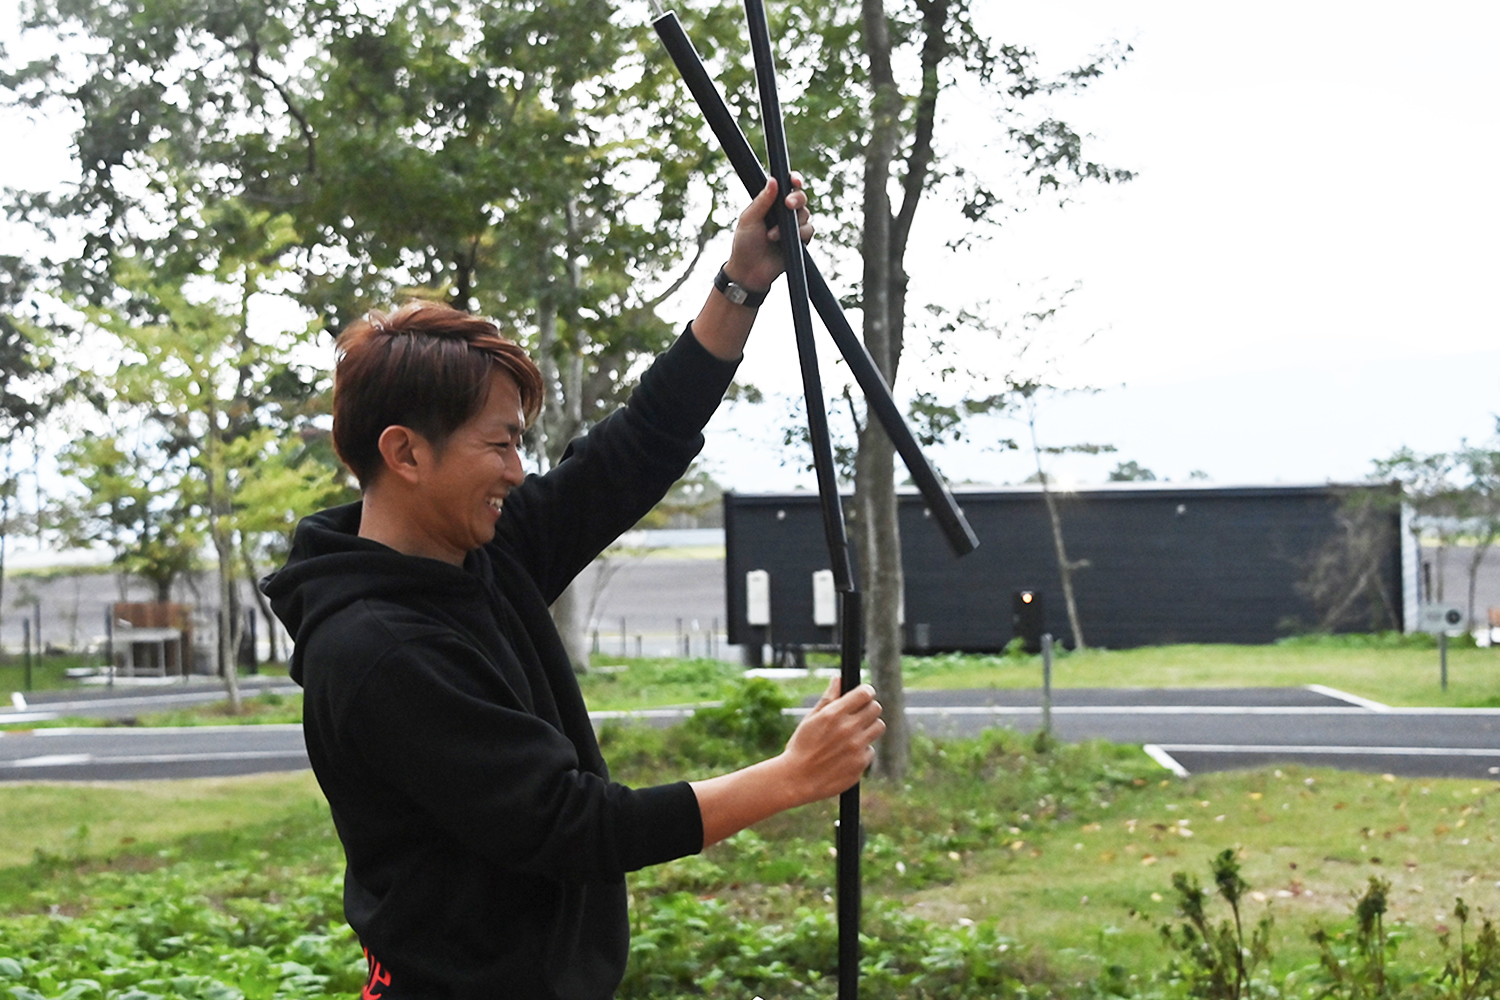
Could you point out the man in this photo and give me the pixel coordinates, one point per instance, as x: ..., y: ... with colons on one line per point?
x: 486, y: 845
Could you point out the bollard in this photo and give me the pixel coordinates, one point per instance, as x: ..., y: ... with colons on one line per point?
x: 26, y: 641
x: 1443, y: 657
x: 1047, y: 683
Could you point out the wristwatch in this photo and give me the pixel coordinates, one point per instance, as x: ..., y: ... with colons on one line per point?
x: 738, y: 293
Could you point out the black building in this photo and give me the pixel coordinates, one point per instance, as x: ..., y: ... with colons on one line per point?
x: 1165, y: 563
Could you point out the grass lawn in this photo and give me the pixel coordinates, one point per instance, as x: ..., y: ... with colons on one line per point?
x: 102, y: 820
x: 1309, y: 840
x: 48, y: 673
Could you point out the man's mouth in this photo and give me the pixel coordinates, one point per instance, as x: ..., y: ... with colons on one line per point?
x: 497, y: 503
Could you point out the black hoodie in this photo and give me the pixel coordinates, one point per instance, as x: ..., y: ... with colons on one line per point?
x: 486, y: 845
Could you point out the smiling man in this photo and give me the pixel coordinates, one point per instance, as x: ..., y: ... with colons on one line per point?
x: 486, y: 845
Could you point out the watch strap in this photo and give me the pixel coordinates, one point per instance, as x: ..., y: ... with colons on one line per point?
x: 738, y: 293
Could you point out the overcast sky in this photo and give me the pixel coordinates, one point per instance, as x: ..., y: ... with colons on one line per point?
x: 1300, y: 279
x: 1303, y: 275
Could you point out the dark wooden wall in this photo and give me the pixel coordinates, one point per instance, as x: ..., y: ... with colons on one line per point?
x: 1166, y: 565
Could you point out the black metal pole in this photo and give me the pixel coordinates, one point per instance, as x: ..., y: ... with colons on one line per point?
x: 955, y: 527
x: 828, y: 492
x: 796, y: 279
x: 850, y: 838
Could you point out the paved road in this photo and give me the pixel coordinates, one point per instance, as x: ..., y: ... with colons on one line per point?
x: 1215, y: 729
x: 1187, y: 730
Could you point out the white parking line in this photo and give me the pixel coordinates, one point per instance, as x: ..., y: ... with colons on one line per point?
x: 953, y: 710
x: 72, y: 759
x: 1165, y: 759
x: 1352, y: 699
x: 1273, y: 748
x: 131, y: 732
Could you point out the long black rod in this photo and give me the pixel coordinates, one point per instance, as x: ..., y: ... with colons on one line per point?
x: 796, y: 281
x: 850, y: 839
x: 828, y: 492
x: 955, y: 527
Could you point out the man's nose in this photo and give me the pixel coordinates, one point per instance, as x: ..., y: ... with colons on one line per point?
x: 515, y: 471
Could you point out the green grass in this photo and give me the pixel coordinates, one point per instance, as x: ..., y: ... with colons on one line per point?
x: 48, y: 673
x: 1308, y: 839
x: 625, y: 684
x: 1065, y: 857
x: 94, y: 823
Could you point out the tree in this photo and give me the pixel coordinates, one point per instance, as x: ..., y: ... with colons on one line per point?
x: 866, y: 126
x: 1134, y: 472
x: 27, y: 393
x: 1454, y: 497
x: 1065, y: 567
x: 1428, y: 485
x: 1346, y: 580
x: 197, y: 371
x: 130, y: 502
x: 526, y: 160
x: 1478, y: 507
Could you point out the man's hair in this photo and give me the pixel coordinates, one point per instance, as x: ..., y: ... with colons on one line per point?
x: 426, y: 366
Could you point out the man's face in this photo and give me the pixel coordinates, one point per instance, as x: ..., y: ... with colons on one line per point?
x: 465, y: 484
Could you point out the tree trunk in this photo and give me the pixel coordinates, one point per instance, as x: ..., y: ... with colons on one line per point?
x: 1064, y: 566
x: 1480, y: 548
x: 221, y: 533
x: 879, y: 542
x: 4, y: 534
x: 229, y: 623
x: 252, y: 573
x: 874, y: 475
x: 567, y: 615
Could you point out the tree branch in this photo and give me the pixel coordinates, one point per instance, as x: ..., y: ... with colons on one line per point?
x: 935, y: 49
x: 705, y: 231
x: 253, y: 48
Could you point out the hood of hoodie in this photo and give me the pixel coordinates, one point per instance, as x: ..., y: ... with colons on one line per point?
x: 331, y: 567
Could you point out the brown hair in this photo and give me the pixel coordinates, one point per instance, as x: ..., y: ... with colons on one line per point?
x: 426, y: 366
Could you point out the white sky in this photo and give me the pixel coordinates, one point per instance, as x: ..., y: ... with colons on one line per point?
x: 1300, y: 279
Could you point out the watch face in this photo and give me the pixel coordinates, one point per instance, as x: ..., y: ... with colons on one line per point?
x: 736, y: 294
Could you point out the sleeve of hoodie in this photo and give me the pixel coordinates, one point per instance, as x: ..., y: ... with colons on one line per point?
x: 611, y: 477
x: 500, y: 780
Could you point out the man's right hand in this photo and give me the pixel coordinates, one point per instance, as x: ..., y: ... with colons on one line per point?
x: 827, y: 754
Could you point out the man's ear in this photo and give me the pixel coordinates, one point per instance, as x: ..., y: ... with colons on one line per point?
x: 404, y: 452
